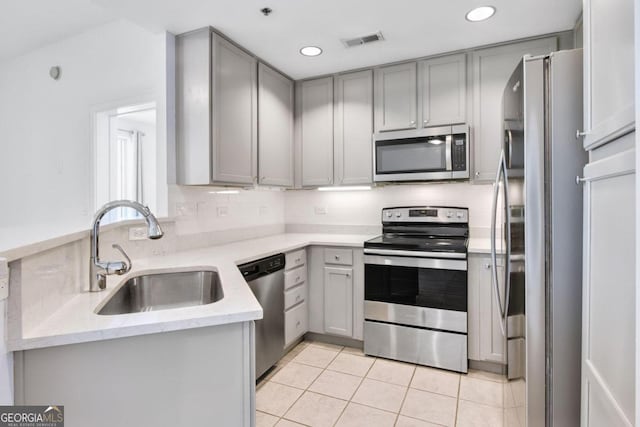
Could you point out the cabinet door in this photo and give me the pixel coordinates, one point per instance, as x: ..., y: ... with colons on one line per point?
x: 486, y: 341
x: 353, y: 128
x: 338, y: 301
x: 396, y: 97
x: 491, y: 70
x: 608, y: 295
x: 275, y: 128
x: 315, y: 102
x: 442, y: 84
x: 608, y: 70
x: 234, y: 115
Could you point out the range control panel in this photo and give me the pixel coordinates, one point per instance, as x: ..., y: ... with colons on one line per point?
x: 426, y: 214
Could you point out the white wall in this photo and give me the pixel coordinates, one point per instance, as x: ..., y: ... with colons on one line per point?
x: 364, y: 207
x: 46, y: 160
x: 202, y: 209
x: 46, y: 151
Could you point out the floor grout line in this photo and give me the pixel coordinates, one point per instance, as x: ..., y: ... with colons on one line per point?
x: 295, y: 351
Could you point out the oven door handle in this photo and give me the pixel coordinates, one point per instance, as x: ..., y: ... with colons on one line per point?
x: 448, y: 156
x: 416, y: 254
x: 432, y: 263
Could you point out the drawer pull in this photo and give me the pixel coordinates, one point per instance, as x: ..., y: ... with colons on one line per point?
x: 298, y: 323
x: 298, y: 298
x: 298, y: 279
x: 337, y: 257
x: 297, y: 260
x: 348, y: 274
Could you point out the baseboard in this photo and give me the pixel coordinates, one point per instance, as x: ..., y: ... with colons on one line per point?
x: 481, y: 365
x: 331, y: 339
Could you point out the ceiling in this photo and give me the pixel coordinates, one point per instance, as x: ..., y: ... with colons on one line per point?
x: 412, y: 28
x: 26, y: 25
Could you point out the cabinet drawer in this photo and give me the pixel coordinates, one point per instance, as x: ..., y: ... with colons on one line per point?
x: 295, y: 277
x: 295, y: 259
x: 295, y: 323
x: 338, y: 256
x: 295, y: 296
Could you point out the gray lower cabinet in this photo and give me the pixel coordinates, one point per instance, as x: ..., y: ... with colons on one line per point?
x: 168, y: 379
x: 442, y: 88
x: 216, y: 111
x: 336, y: 291
x: 486, y: 341
x: 396, y: 97
x: 338, y: 301
x: 275, y: 128
x: 609, y: 289
x: 314, y: 99
x: 608, y: 70
x: 491, y: 69
x: 353, y: 128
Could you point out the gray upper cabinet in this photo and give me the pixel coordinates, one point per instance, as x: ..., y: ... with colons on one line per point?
x: 216, y: 111
x: 609, y: 105
x: 442, y: 85
x: 396, y: 97
x: 314, y: 100
x: 275, y: 128
x: 491, y: 69
x: 353, y: 128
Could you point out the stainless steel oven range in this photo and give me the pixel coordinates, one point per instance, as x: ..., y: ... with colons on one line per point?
x: 415, y: 304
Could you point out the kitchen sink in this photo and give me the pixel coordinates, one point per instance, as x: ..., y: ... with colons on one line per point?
x: 163, y: 291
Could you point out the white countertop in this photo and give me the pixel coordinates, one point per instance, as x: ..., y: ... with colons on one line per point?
x: 76, y: 321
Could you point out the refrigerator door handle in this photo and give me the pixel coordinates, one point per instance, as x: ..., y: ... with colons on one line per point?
x: 494, y: 263
x: 507, y: 267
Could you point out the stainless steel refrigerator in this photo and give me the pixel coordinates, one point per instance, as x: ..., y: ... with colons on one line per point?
x: 538, y: 205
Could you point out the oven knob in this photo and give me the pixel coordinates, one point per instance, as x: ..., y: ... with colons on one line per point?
x: 398, y: 214
x: 449, y: 214
x: 460, y: 215
x: 389, y: 214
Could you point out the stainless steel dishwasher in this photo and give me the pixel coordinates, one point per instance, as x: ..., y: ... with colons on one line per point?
x: 266, y: 280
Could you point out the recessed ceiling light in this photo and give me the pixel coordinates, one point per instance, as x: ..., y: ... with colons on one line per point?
x: 311, y: 51
x: 481, y: 13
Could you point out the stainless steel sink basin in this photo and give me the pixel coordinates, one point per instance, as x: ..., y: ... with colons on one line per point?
x: 162, y: 291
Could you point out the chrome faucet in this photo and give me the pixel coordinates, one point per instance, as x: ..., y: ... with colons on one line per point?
x: 100, y: 269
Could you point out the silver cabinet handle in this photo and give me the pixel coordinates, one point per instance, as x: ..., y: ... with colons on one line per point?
x: 298, y: 279
x: 348, y: 274
x: 337, y: 257
x: 580, y: 180
x: 298, y: 323
x: 425, y: 122
x: 487, y: 266
x: 580, y: 134
x: 297, y: 297
x: 412, y: 123
x: 477, y: 173
x: 297, y: 259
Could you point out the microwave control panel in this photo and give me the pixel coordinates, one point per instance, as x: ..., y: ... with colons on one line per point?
x: 459, y: 153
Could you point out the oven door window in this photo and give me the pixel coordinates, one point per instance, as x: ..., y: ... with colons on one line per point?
x: 411, y: 155
x: 422, y: 287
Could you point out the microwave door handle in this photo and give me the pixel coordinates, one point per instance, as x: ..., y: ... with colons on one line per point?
x: 494, y: 266
x: 448, y: 152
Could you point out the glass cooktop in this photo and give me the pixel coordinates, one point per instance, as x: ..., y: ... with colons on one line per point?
x: 418, y: 243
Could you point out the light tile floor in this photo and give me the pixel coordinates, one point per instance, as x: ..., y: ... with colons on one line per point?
x: 318, y: 384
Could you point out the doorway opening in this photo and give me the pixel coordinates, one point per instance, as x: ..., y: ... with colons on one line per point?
x: 126, y: 158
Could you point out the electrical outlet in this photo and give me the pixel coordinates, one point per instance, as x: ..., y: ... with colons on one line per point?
x: 320, y: 210
x: 222, y: 210
x: 137, y: 233
x: 4, y: 279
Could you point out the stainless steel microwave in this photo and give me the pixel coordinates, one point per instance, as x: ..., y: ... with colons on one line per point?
x: 438, y: 153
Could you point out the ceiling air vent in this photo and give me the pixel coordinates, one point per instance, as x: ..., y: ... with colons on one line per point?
x: 358, y: 41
